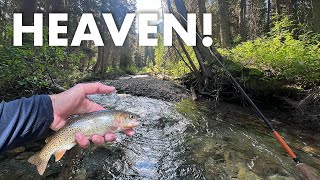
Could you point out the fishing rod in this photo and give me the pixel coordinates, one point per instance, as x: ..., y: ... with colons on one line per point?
x: 307, y: 174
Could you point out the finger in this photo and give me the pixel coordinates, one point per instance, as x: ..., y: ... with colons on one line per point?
x: 98, y: 140
x: 96, y: 88
x: 82, y: 140
x: 57, y: 124
x: 129, y: 132
x: 110, y: 137
x: 89, y: 106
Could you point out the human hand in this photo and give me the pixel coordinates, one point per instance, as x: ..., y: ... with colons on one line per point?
x: 75, y: 101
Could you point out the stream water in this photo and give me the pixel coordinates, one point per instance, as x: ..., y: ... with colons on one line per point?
x: 187, y: 140
x: 198, y: 141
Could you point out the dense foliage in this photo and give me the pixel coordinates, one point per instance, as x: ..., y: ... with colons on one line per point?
x: 28, y: 69
x: 280, y: 57
x: 261, y: 50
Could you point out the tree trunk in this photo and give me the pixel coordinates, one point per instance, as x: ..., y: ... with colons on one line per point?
x: 316, y: 15
x: 105, y: 58
x: 202, y: 9
x: 293, y: 13
x: 255, y: 18
x: 103, y: 50
x: 97, y: 66
x: 183, y: 11
x: 85, y: 59
x: 190, y: 68
x: 116, y: 57
x: 278, y: 7
x: 225, y: 31
x: 267, y: 26
x: 205, y: 68
x: 199, y: 51
x: 204, y: 56
x: 188, y: 56
x: 293, y: 10
x: 28, y: 9
x: 91, y: 55
x: 58, y: 6
x: 242, y: 22
x: 3, y: 19
x: 3, y: 11
x: 145, y: 56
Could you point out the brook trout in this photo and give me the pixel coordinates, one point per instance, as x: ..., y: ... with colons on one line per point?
x: 99, y: 123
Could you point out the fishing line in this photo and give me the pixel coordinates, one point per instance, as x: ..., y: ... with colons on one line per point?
x: 301, y: 167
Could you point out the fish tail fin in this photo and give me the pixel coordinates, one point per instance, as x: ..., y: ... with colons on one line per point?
x: 39, y: 162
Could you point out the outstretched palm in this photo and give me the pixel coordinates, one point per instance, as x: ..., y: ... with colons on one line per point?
x: 75, y: 101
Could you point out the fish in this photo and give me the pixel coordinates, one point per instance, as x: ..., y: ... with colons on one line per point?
x: 96, y: 123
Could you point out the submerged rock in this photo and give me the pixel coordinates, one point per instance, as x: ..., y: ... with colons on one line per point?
x: 81, y: 174
x: 279, y: 177
x: 200, y: 142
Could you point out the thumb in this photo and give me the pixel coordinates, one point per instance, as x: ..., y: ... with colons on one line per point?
x: 89, y: 106
x: 58, y: 124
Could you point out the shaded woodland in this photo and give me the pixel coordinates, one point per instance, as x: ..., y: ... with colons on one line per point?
x: 271, y: 46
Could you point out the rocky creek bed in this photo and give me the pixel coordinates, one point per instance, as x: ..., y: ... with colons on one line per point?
x: 178, y: 139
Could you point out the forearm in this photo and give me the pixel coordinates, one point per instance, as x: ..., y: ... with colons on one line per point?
x: 24, y: 120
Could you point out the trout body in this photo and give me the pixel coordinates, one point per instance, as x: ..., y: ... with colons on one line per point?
x: 97, y: 123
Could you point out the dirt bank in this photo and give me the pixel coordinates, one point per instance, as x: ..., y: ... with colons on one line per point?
x: 273, y: 107
x: 149, y: 87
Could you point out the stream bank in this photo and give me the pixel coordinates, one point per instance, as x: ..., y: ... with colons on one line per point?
x: 275, y: 107
x: 197, y: 140
x: 147, y: 86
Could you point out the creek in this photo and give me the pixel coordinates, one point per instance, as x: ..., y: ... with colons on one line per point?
x: 183, y: 140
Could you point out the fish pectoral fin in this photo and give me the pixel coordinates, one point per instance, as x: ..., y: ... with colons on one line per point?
x: 113, y: 128
x: 59, y: 154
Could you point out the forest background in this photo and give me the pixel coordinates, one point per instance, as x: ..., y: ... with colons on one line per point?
x: 272, y: 47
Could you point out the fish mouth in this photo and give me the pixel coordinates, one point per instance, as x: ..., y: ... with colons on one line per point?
x: 131, y: 125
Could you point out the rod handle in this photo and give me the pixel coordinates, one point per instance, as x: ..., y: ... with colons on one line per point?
x: 284, y: 145
x: 306, y: 172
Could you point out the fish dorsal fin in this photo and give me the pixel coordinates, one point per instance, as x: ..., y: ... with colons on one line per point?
x: 59, y: 154
x: 72, y: 119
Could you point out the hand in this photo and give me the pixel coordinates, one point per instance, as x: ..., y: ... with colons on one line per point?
x: 75, y: 101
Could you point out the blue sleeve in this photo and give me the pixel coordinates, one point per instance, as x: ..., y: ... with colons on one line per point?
x: 24, y: 120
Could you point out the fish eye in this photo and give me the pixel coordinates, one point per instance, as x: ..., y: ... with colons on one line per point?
x: 131, y: 116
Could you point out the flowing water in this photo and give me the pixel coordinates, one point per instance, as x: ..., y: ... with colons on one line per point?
x: 187, y: 140
x: 195, y: 141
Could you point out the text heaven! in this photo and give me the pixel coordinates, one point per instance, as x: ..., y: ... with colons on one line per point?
x: 146, y: 25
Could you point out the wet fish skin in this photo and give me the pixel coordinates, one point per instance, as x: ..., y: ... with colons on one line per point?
x: 97, y: 123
